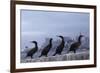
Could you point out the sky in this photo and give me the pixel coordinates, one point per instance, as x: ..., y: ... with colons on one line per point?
x: 38, y: 25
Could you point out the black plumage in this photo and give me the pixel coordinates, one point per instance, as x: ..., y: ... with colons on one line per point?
x: 75, y: 45
x: 33, y: 50
x: 60, y: 47
x: 47, y: 48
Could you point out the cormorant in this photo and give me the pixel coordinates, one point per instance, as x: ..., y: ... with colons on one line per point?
x: 75, y: 45
x: 60, y: 47
x: 33, y: 50
x: 47, y: 48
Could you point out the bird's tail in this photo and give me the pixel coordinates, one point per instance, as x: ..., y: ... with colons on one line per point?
x: 54, y: 54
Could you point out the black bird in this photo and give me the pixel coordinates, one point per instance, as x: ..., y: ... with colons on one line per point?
x: 75, y: 45
x: 33, y: 50
x: 60, y: 47
x: 47, y: 48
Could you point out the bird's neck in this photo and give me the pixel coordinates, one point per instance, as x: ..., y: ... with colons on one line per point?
x: 62, y: 39
x: 62, y: 42
x: 50, y: 42
x: 36, y: 45
x: 79, y: 39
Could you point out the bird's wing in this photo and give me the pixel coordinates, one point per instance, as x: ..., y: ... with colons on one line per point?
x: 46, y: 48
x: 32, y: 50
x: 75, y: 45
